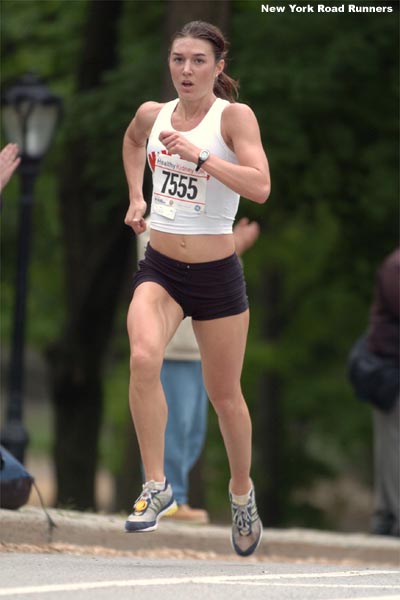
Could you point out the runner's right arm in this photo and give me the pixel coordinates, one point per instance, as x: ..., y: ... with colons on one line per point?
x: 134, y: 159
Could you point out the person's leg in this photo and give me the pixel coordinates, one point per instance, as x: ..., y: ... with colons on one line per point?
x: 153, y: 318
x: 198, y: 418
x: 186, y: 426
x: 187, y: 421
x: 386, y: 519
x: 178, y: 390
x: 222, y: 345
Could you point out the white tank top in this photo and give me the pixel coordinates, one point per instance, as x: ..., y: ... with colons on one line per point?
x: 186, y: 201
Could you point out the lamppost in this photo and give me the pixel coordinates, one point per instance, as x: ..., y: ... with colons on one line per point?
x: 30, y: 114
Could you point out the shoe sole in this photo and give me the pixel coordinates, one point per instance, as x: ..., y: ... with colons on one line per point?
x: 247, y: 553
x: 168, y: 510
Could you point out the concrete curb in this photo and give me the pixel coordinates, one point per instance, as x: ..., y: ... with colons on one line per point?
x: 29, y: 526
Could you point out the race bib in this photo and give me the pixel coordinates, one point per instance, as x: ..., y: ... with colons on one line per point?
x: 177, y: 187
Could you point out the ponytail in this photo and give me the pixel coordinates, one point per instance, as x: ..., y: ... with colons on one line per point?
x: 226, y: 88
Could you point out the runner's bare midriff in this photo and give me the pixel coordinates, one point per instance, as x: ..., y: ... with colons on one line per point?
x: 193, y: 248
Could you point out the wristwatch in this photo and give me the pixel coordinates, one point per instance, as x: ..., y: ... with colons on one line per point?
x: 204, y: 154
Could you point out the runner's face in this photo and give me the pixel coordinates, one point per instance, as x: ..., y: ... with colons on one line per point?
x: 193, y: 67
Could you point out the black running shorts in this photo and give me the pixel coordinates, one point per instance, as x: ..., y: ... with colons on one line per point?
x: 207, y: 290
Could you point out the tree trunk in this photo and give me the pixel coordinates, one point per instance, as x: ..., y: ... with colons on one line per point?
x: 128, y: 479
x: 95, y: 267
x: 268, y: 426
x: 268, y: 439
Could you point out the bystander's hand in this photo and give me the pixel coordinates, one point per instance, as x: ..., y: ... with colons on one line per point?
x: 245, y: 233
x: 9, y: 161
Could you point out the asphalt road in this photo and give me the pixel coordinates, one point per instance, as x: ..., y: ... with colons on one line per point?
x: 39, y: 576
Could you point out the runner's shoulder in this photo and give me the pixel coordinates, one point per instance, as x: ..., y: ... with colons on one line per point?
x: 237, y: 120
x: 147, y: 113
x: 238, y: 110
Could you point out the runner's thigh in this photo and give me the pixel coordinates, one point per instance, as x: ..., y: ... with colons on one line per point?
x: 222, y: 345
x: 153, y: 317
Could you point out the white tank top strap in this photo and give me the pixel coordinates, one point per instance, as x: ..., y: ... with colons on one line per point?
x: 165, y: 114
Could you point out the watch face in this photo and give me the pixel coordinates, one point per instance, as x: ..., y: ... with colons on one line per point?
x: 204, y: 154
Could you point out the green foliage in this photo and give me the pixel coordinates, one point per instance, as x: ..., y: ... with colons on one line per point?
x: 43, y: 37
x: 28, y: 31
x: 325, y: 91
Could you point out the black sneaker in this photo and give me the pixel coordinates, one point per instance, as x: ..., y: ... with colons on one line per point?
x: 246, y: 526
x: 151, y: 505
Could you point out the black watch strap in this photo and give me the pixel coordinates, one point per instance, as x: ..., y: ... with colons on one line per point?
x: 203, y: 156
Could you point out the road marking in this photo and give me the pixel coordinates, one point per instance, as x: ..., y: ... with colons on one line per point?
x: 315, y: 585
x: 390, y: 597
x: 266, y: 578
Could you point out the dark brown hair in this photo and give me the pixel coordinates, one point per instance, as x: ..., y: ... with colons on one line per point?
x: 224, y: 87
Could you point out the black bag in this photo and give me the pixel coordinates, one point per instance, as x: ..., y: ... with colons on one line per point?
x: 375, y: 378
x: 15, y: 481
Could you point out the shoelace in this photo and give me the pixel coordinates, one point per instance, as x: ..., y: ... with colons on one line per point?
x: 242, y: 519
x: 149, y: 490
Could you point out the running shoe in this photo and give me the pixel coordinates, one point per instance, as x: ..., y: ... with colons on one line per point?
x: 151, y: 505
x: 246, y: 526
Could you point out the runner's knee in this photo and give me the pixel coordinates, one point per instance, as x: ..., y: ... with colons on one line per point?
x: 145, y: 361
x: 227, y: 403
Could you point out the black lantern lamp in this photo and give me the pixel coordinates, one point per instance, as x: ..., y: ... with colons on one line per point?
x: 30, y: 115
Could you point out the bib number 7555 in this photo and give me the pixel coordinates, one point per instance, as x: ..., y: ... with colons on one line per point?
x: 180, y: 186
